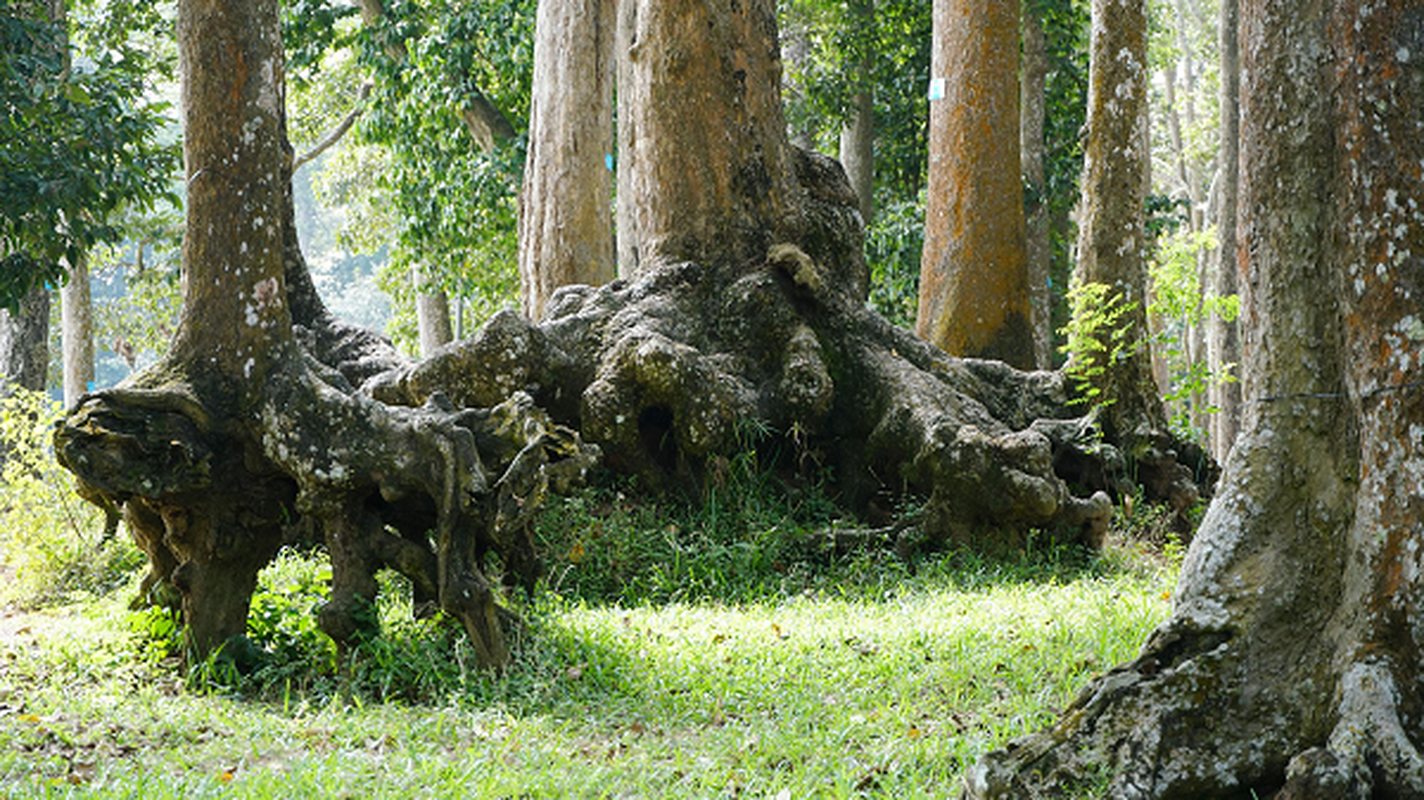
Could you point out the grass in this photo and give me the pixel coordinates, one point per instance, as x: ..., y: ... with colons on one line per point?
x: 885, y: 684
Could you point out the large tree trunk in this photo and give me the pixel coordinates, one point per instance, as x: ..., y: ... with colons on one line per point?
x: 1290, y: 664
x: 1224, y: 338
x: 24, y: 342
x: 77, y: 333
x: 745, y: 303
x: 974, y: 291
x: 1038, y: 247
x: 252, y: 422
x: 565, y: 216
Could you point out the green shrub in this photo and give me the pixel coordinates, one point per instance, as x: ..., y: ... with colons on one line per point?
x: 892, y: 250
x: 1097, y: 337
x: 50, y: 538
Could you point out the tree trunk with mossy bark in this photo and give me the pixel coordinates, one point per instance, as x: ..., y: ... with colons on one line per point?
x: 253, y: 425
x: 1289, y: 667
x: 1112, y: 247
x: 744, y: 313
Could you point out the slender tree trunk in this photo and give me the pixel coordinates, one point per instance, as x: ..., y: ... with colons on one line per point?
x: 24, y: 343
x: 1290, y: 666
x: 857, y: 142
x: 857, y: 151
x: 565, y: 216
x: 1038, y: 248
x: 796, y: 51
x: 1223, y: 338
x: 974, y: 290
x: 77, y: 333
x: 432, y: 315
x: 1112, y: 238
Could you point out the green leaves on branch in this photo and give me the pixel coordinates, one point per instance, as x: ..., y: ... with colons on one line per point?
x: 413, y: 176
x: 1098, y: 335
x: 77, y: 146
x: 1180, y: 303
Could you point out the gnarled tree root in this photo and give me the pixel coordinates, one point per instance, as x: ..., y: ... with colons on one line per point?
x: 404, y: 488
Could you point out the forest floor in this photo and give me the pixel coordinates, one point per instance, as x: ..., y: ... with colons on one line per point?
x: 865, y: 676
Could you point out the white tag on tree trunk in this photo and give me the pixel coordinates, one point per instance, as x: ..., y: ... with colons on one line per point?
x: 937, y: 89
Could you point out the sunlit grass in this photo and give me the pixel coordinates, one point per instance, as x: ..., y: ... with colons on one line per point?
x: 886, y: 681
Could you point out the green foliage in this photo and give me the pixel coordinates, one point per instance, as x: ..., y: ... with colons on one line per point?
x: 1180, y: 303
x: 77, y: 144
x: 413, y: 176
x: 893, y: 245
x: 1097, y: 337
x: 137, y: 319
x: 894, y: 38
x: 50, y: 538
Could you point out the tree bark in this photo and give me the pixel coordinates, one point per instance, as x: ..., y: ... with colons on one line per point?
x: 24, y: 343
x: 974, y: 291
x: 857, y: 151
x: 77, y: 333
x: 565, y: 215
x: 1038, y: 247
x: 1289, y: 666
x: 1224, y: 338
x: 1112, y: 238
x: 432, y: 315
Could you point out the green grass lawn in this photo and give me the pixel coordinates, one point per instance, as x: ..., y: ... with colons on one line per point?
x: 866, y: 679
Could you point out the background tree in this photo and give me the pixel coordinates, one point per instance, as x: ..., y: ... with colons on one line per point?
x: 857, y: 138
x: 1112, y: 237
x: 1223, y: 337
x: 565, y: 210
x: 416, y: 182
x: 77, y: 332
x: 24, y: 342
x: 77, y: 148
x: 974, y: 293
x: 1288, y: 667
x: 58, y: 199
x: 1033, y: 111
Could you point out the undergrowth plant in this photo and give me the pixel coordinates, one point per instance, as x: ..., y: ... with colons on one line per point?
x: 50, y: 539
x: 750, y: 532
x: 1096, y: 337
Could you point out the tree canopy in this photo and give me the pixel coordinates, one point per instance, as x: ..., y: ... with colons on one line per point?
x: 80, y: 137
